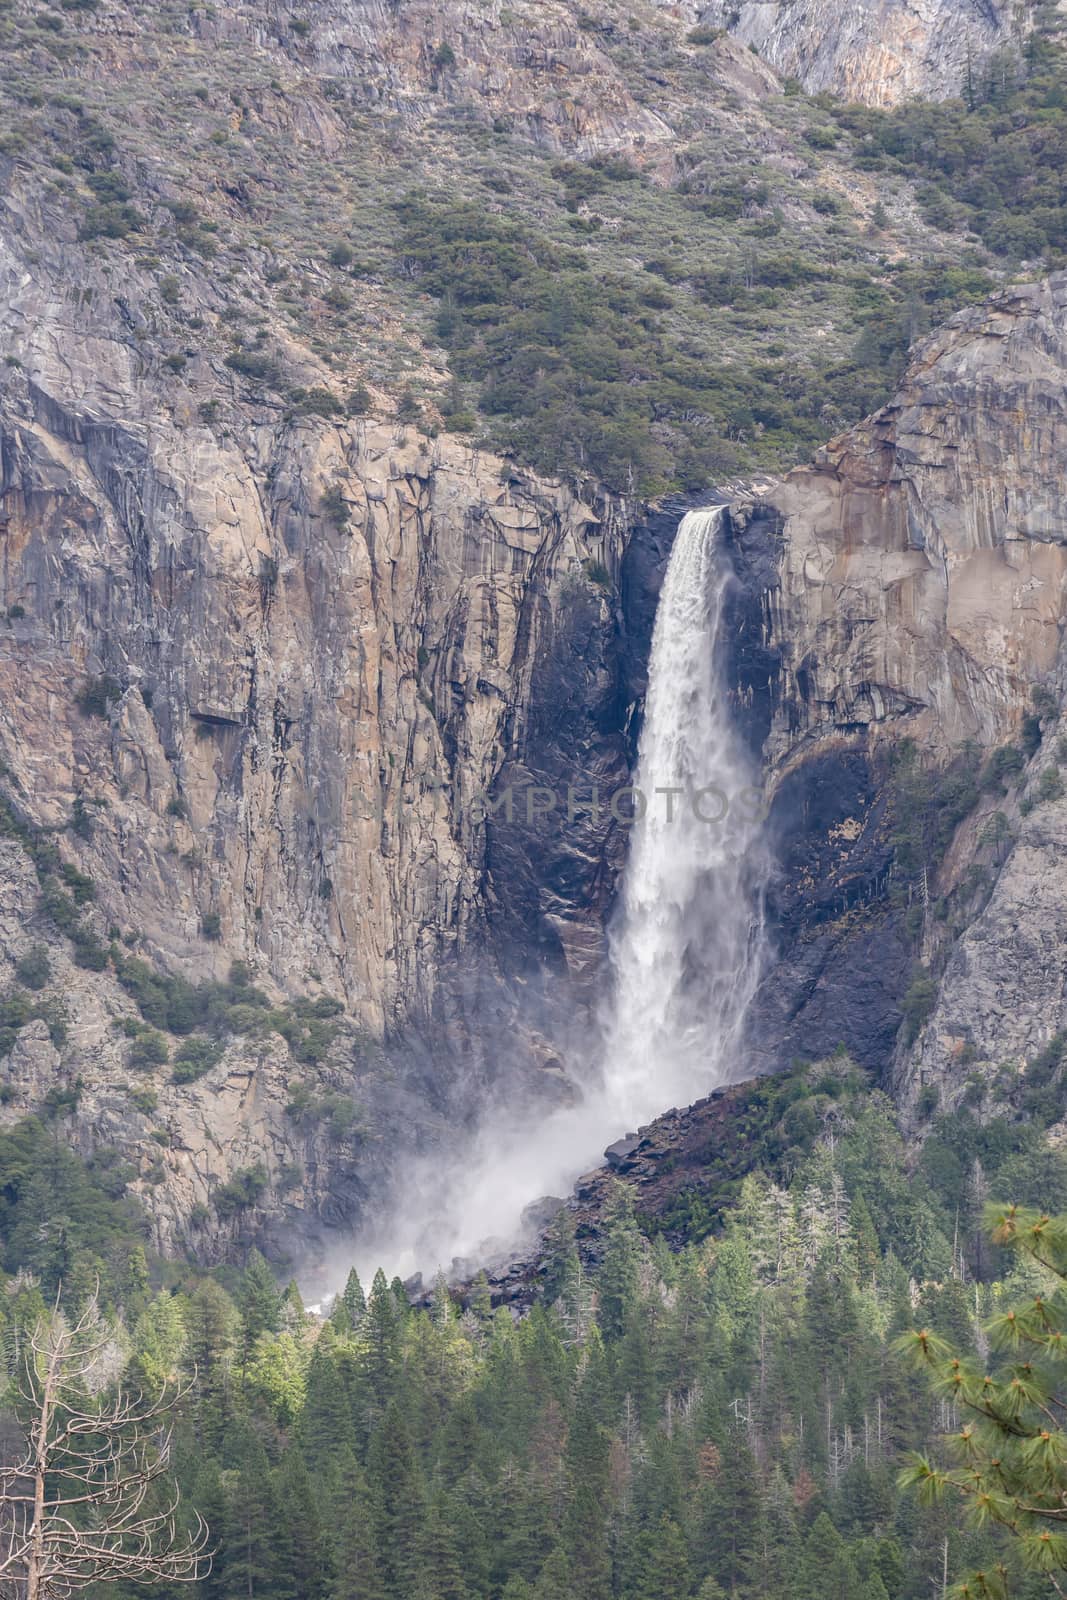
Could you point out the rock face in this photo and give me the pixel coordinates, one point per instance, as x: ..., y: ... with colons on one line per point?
x: 911, y: 583
x: 282, y: 664
x: 290, y: 681
x: 923, y: 558
x: 878, y: 52
x: 546, y: 74
x: 314, y: 647
x: 1003, y: 996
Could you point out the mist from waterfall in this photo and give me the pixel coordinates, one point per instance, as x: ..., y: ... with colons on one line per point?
x: 685, y: 949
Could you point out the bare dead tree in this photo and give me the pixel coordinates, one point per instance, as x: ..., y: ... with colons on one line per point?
x: 89, y: 1501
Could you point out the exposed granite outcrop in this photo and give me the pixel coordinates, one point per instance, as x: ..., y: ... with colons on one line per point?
x: 280, y: 679
x: 1002, y: 997
x: 256, y: 677
x: 878, y: 52
x: 911, y: 583
x: 923, y: 562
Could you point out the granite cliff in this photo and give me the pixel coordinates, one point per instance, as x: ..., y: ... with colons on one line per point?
x: 909, y: 586
x: 879, y: 52
x: 279, y: 670
x: 276, y: 620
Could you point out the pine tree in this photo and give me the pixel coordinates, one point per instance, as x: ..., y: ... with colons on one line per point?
x: 441, y: 1572
x: 826, y: 1570
x: 211, y: 1331
x: 560, y: 1255
x: 400, y: 1297
x: 554, y: 1581
x: 682, y: 1358
x: 470, y: 1511
x: 830, y: 1318
x: 206, y: 1493
x: 585, y: 1524
x: 256, y: 1556
x: 327, y: 1424
x: 298, y: 1502
x: 158, y: 1342
x: 617, y: 1282
x: 1011, y: 1446
x: 381, y: 1348
x: 634, y: 1369
x: 729, y: 1535
x: 868, y: 1254
x: 357, y: 1571
x: 259, y: 1303
x: 459, y: 1439
x: 776, y: 1554
x: 665, y: 1567
x: 274, y: 1377
x: 480, y: 1302
x: 294, y: 1317
x: 398, y: 1499
x: 350, y: 1306
x: 661, y: 1485
x: 519, y: 1518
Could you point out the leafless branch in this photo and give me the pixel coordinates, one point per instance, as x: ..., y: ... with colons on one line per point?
x: 80, y: 1506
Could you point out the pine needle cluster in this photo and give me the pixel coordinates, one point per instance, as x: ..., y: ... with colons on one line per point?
x: 1010, y: 1451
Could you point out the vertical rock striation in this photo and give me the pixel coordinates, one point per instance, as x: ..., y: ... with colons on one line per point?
x: 911, y: 584
x: 258, y: 676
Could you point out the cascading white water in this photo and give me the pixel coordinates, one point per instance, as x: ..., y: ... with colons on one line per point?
x: 685, y: 951
x: 685, y: 947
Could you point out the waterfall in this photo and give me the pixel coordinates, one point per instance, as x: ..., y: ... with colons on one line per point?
x: 685, y: 949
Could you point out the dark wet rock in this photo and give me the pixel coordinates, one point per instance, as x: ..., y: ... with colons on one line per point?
x: 618, y: 1155
x: 539, y: 1213
x: 688, y: 1161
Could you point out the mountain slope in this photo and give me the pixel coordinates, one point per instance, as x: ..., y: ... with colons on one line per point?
x: 272, y: 284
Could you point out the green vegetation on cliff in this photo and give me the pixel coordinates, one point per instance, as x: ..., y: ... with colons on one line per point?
x: 720, y: 296
x: 992, y: 163
x: 581, y: 371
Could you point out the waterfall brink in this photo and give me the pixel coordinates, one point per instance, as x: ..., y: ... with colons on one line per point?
x: 685, y: 950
